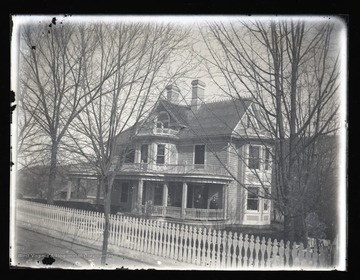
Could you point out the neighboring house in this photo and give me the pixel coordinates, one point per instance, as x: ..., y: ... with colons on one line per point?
x: 206, y: 163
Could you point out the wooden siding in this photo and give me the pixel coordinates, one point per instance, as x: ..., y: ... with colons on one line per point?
x: 232, y: 203
x: 241, y: 171
x: 216, y: 154
x: 233, y: 160
x: 186, y: 153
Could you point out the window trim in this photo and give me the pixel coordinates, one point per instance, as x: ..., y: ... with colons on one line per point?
x: 157, y: 154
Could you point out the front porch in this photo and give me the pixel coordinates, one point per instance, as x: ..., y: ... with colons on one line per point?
x: 176, y: 200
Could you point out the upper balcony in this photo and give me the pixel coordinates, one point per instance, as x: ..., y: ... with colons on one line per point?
x: 157, y: 131
x: 181, y: 169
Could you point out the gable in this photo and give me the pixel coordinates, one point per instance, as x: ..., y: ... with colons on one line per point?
x: 217, y: 118
x: 177, y: 113
x: 250, y: 123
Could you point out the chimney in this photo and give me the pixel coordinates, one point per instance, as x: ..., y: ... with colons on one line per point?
x: 173, y: 93
x: 198, y: 88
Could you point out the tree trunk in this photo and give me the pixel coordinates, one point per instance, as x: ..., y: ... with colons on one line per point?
x: 52, y: 172
x: 107, y: 211
x: 289, y: 234
x: 98, y: 189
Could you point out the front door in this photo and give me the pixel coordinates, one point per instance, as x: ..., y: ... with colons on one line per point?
x: 121, y: 196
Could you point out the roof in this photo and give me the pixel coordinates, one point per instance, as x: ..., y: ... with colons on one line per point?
x: 216, y: 118
x: 211, y: 119
x: 126, y: 135
x: 179, y: 112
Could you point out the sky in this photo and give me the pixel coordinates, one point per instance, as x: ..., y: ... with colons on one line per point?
x: 190, y: 22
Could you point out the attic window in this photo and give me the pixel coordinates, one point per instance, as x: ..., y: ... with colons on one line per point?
x: 163, y: 120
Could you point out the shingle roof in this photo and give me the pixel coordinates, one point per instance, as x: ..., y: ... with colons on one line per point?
x: 211, y: 119
x: 216, y: 118
x: 125, y: 137
x: 179, y: 112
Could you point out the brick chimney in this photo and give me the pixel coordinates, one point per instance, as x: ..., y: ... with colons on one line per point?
x: 198, y: 88
x: 173, y: 93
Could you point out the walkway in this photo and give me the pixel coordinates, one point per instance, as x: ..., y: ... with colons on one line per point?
x: 33, y: 250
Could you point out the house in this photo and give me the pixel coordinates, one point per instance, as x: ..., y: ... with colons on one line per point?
x: 202, y: 163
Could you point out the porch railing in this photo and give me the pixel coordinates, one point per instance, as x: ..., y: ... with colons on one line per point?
x: 204, y: 214
x: 189, y: 213
x: 202, y: 169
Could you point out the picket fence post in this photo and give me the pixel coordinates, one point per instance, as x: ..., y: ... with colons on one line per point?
x: 181, y: 243
x: 188, y: 244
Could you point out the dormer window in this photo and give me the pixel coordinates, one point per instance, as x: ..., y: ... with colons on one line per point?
x: 163, y: 121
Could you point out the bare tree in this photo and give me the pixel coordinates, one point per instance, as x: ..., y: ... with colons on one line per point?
x: 290, y: 70
x: 146, y: 56
x: 59, y: 79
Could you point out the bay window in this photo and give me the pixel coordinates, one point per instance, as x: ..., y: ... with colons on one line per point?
x: 258, y: 199
x: 144, y: 151
x: 253, y: 198
x: 160, y: 157
x: 254, y: 157
x: 259, y: 157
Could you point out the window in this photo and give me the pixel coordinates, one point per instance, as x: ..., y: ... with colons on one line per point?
x: 267, y: 158
x: 124, y: 192
x: 163, y: 121
x: 160, y: 158
x: 130, y: 156
x: 253, y: 199
x: 199, y: 157
x: 266, y: 200
x: 144, y: 153
x: 254, y: 157
x: 248, y: 123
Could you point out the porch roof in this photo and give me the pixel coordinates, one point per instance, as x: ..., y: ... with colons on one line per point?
x: 211, y: 179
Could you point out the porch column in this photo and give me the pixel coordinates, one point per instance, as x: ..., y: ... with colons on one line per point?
x: 165, y: 198
x: 140, y: 193
x: 69, y: 187
x: 77, y: 189
x: 225, y: 200
x: 165, y: 194
x: 184, y: 199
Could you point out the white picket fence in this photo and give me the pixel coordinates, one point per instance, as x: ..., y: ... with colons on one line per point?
x: 200, y: 247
